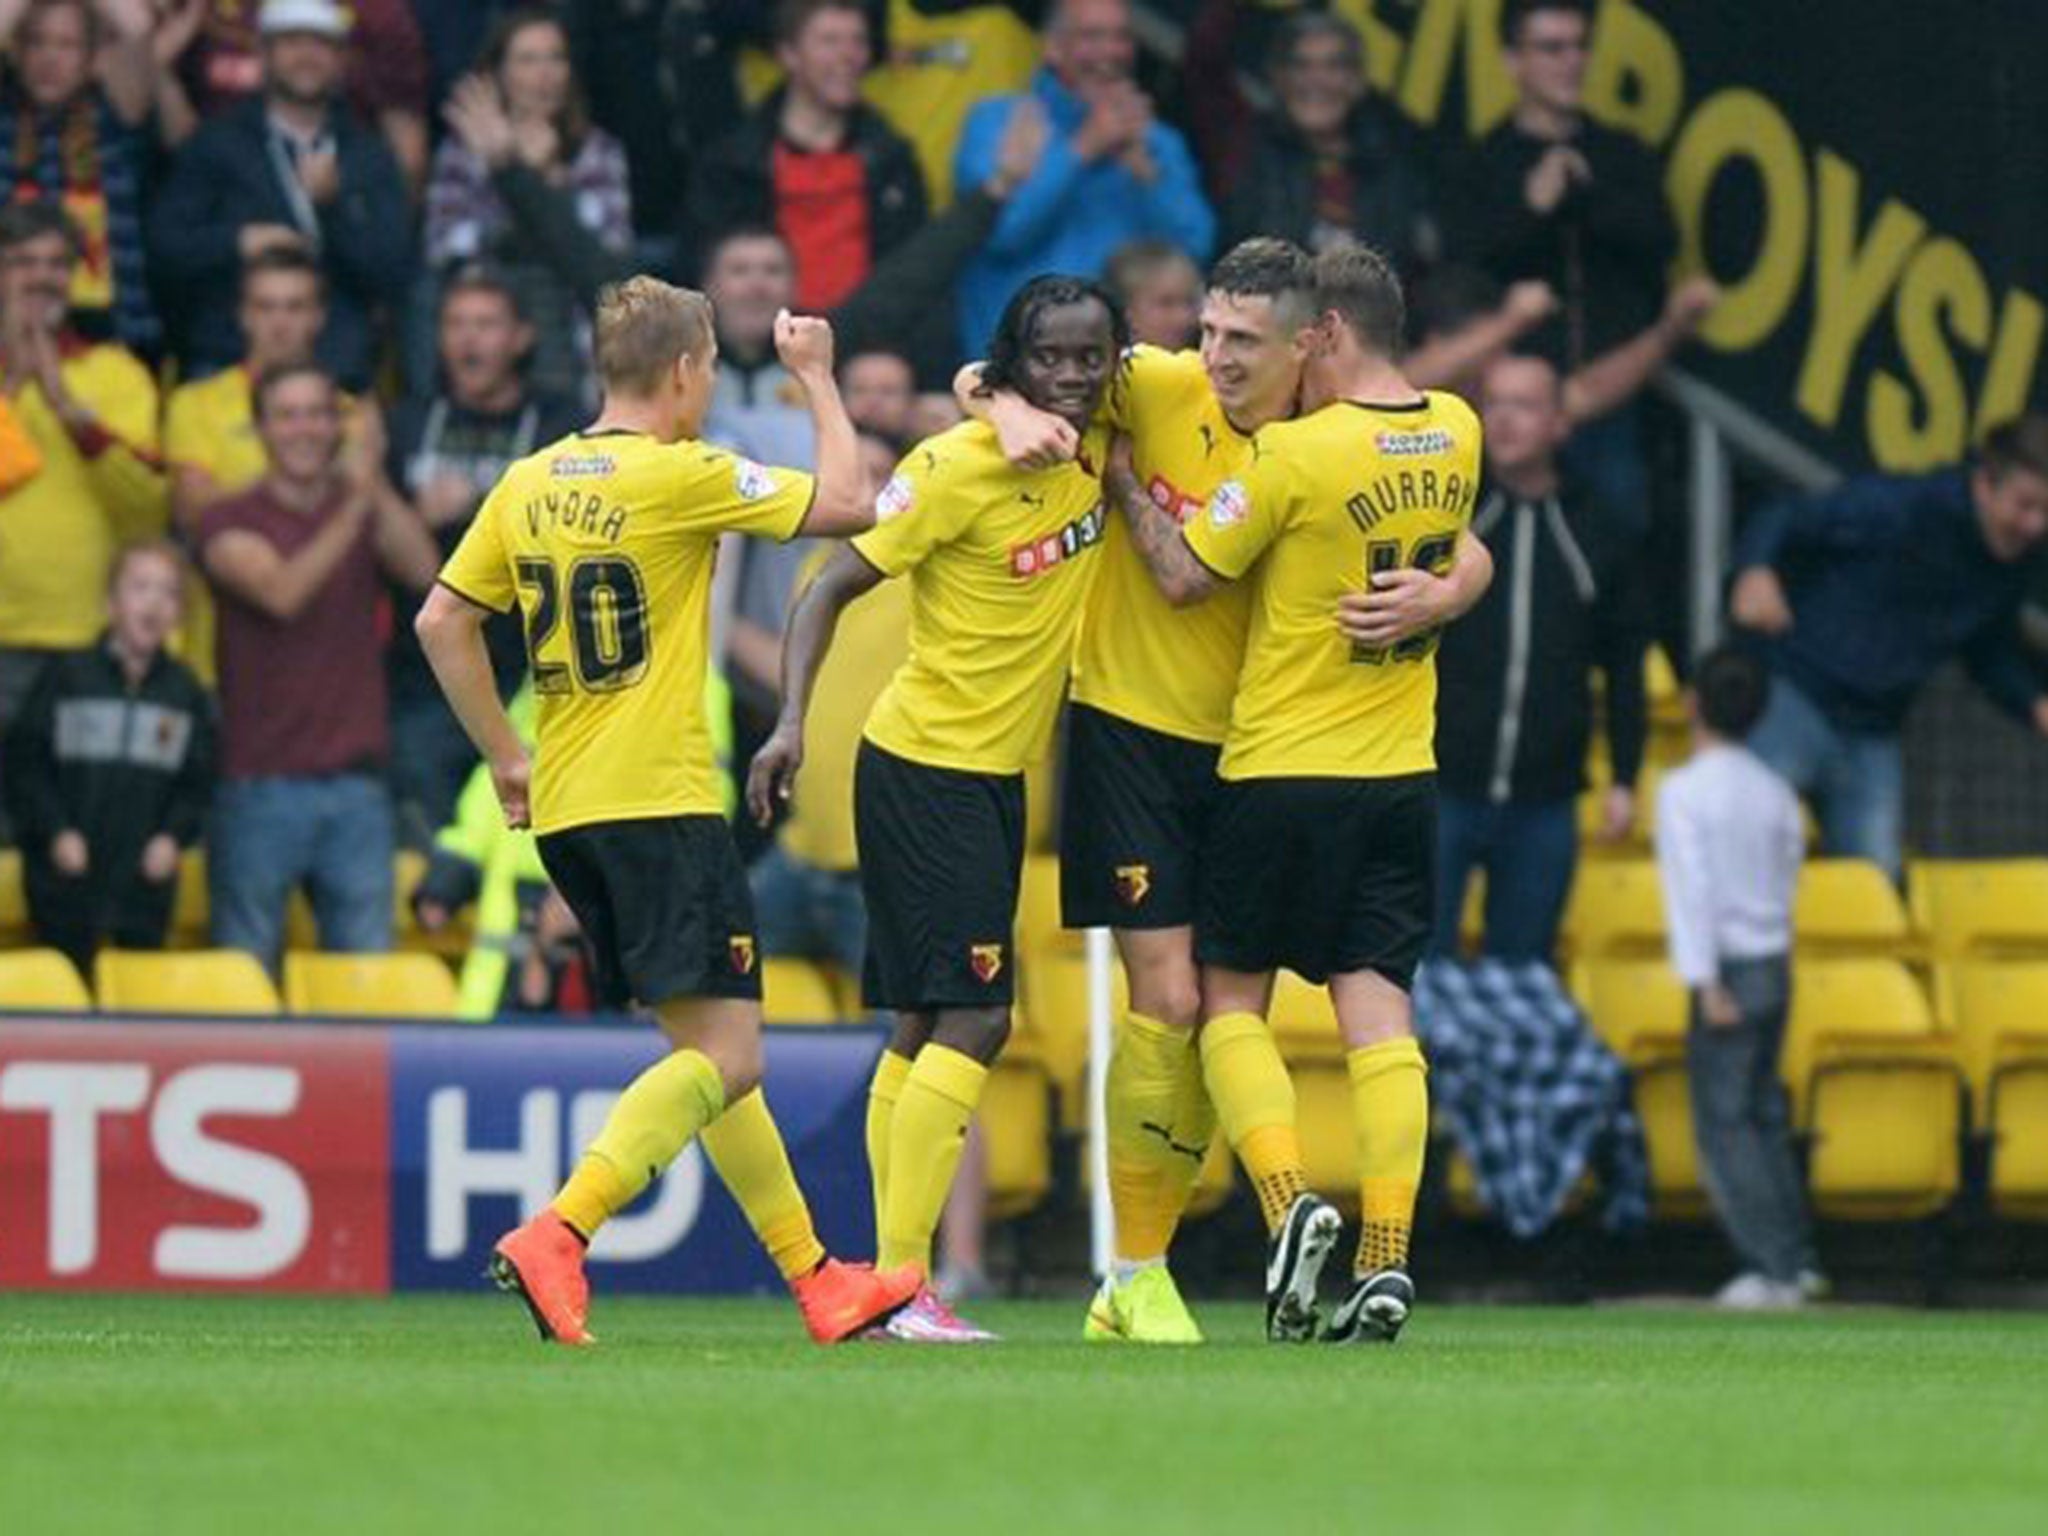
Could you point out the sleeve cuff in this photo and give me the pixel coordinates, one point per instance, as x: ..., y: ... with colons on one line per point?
x: 471, y: 598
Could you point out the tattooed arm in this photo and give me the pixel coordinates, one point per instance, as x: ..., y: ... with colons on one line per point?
x: 1182, y: 579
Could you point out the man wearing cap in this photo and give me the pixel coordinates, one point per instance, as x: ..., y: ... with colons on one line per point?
x: 292, y: 167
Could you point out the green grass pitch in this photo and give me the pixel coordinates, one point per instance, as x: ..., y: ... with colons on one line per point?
x: 298, y: 1417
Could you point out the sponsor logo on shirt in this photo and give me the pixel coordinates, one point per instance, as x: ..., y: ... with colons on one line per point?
x: 1055, y: 549
x: 1408, y: 445
x: 582, y: 466
x: 894, y: 498
x: 1230, y: 505
x: 1171, y: 501
x: 753, y: 481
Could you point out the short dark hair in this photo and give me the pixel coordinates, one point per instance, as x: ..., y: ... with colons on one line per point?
x: 1303, y: 25
x: 1005, y: 365
x: 482, y: 277
x: 284, y: 258
x: 2021, y: 443
x: 1732, y: 688
x: 1266, y: 267
x: 1516, y: 13
x: 1359, y: 285
x: 21, y: 222
x: 792, y: 16
x: 270, y: 380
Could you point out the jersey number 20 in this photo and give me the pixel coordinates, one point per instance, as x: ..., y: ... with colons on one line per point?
x: 607, y: 622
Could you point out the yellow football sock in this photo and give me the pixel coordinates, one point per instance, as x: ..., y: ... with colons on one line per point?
x: 1194, y: 1127
x: 1142, y: 1092
x: 926, y: 1136
x: 883, y: 1093
x: 653, y: 1120
x: 1254, y: 1099
x: 746, y: 1148
x: 1390, y: 1101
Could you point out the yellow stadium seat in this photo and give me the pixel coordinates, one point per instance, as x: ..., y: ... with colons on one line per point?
x: 1016, y: 1125
x: 191, y: 909
x: 1876, y: 1088
x: 1979, y: 907
x: 1616, y: 908
x: 1849, y: 906
x: 1038, y: 912
x: 1639, y: 1007
x: 1054, y: 987
x: 210, y: 981
x: 2000, y: 1012
x: 396, y: 986
x: 797, y: 992
x: 14, y: 923
x: 1303, y: 1020
x: 43, y: 980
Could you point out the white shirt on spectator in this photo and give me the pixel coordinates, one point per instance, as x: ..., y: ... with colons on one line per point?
x: 1729, y: 843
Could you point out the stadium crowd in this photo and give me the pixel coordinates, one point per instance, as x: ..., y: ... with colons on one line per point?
x: 285, y: 286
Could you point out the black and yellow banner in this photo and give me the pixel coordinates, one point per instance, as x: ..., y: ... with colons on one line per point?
x: 1868, y: 179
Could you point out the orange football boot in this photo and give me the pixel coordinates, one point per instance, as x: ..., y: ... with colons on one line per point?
x: 542, y: 1261
x: 839, y: 1300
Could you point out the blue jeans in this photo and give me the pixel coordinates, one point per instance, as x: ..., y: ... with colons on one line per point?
x: 809, y: 913
x: 431, y: 760
x: 1855, y: 779
x: 332, y: 834
x: 1528, y: 850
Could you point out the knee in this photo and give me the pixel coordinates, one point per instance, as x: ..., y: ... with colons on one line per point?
x: 738, y: 1059
x: 1172, y: 996
x: 977, y: 1032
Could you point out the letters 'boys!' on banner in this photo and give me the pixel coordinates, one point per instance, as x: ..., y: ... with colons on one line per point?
x: 285, y: 1156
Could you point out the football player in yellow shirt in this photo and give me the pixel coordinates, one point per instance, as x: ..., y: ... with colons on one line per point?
x: 1320, y: 850
x: 999, y: 561
x: 605, y: 541
x: 1152, y: 692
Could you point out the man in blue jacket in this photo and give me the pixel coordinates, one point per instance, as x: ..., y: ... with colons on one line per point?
x: 1110, y: 172
x: 289, y: 167
x: 1863, y: 594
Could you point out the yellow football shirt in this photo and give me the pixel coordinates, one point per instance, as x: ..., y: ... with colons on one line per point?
x: 999, y: 562
x: 210, y: 426
x: 605, y: 541
x: 1325, y: 500
x: 937, y: 68
x: 1140, y: 658
x: 871, y: 642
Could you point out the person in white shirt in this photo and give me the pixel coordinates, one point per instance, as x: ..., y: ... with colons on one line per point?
x: 1729, y: 844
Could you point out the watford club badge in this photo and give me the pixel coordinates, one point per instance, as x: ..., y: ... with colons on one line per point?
x: 740, y: 947
x: 986, y: 960
x: 1133, y: 883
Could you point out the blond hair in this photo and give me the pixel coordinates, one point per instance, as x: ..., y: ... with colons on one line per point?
x: 643, y: 326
